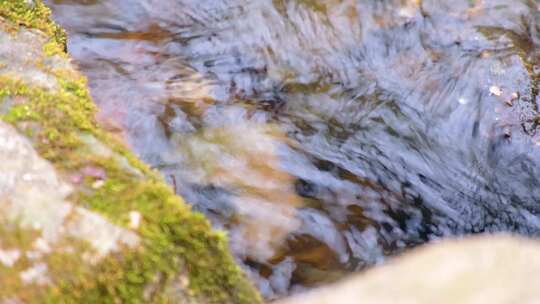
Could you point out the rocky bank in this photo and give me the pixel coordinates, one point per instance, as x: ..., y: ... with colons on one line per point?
x: 83, y: 220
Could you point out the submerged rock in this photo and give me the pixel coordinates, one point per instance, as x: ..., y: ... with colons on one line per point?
x: 84, y: 221
x: 489, y: 269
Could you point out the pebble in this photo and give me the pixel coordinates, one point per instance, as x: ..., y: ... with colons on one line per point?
x: 515, y: 95
x: 495, y: 90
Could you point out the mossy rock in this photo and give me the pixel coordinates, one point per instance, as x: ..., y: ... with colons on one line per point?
x: 85, y: 221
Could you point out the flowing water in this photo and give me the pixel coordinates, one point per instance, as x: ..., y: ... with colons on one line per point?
x: 325, y: 135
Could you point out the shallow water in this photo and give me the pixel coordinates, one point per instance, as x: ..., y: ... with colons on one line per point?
x: 325, y: 135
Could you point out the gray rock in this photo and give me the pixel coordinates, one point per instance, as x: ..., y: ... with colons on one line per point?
x: 33, y: 196
x: 19, y: 57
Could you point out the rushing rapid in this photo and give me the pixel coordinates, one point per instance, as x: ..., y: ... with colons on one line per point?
x: 325, y: 135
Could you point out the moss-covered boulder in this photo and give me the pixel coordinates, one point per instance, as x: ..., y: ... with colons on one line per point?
x: 84, y: 221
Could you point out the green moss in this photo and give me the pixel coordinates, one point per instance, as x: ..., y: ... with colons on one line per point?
x: 176, y: 241
x: 33, y: 15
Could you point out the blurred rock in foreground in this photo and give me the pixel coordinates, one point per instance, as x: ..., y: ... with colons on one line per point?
x: 487, y: 269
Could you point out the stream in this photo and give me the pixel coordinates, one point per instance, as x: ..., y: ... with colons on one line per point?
x: 325, y: 135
